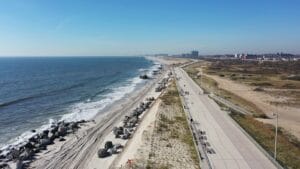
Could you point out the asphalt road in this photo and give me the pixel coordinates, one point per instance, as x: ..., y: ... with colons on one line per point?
x: 229, y: 147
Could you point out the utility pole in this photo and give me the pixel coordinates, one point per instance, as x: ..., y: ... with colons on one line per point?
x: 276, y: 130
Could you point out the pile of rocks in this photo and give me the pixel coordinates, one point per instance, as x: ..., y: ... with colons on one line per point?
x: 151, y: 99
x: 126, y: 130
x: 155, y: 72
x: 24, y: 153
x: 162, y: 85
x: 144, y: 77
x: 109, y: 149
x: 130, y: 122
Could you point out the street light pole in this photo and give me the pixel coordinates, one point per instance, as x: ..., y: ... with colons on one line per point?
x: 276, y: 130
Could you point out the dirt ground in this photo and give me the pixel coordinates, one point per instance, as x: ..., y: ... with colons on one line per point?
x: 289, y: 116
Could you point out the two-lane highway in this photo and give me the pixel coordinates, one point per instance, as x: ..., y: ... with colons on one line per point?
x: 227, y: 146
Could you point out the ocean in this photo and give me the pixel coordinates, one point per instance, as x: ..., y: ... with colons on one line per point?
x: 36, y: 91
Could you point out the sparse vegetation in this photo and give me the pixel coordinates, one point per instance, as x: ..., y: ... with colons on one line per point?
x: 172, y: 128
x: 288, y: 147
x: 277, y: 75
x: 209, y: 85
x: 266, y: 75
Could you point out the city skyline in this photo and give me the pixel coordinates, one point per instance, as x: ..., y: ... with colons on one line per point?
x: 118, y: 28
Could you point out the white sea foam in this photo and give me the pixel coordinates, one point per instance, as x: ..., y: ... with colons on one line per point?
x: 86, y: 110
x: 21, y: 140
x: 79, y: 111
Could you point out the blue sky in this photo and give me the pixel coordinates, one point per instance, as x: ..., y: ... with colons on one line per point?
x: 133, y: 27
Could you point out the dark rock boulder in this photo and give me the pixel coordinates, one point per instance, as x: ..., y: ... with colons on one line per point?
x: 32, y: 139
x: 74, y: 126
x: 150, y: 98
x: 126, y: 136
x: 118, y: 131
x: 13, y: 154
x: 52, y: 137
x: 36, y: 138
x: 118, y: 146
x: 108, y: 145
x: 36, y: 150
x: 2, y: 156
x: 46, y: 132
x: 66, y: 124
x: 62, y: 130
x: 36, y: 145
x: 103, y: 153
x: 19, y: 164
x: 62, y: 139
x: 42, y: 147
x: 53, y: 126
x: 29, y: 145
x: 45, y: 142
x: 4, y: 166
x: 54, y: 130
x: 115, y: 130
x: 144, y: 77
x: 27, y: 154
x: 82, y: 121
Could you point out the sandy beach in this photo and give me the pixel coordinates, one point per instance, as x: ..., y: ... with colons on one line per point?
x: 95, y: 161
x: 132, y: 147
x: 80, y: 149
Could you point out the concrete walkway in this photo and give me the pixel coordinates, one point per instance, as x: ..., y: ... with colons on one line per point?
x: 227, y: 146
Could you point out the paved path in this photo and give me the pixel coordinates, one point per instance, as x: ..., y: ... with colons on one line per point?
x: 230, y: 147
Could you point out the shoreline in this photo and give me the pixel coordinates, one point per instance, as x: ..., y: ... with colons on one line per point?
x: 101, y: 119
x: 70, y: 113
x: 76, y: 151
x: 79, y: 150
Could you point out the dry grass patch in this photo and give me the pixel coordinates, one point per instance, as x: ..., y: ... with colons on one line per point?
x: 172, y: 145
x: 288, y: 152
x: 288, y: 147
x: 209, y: 85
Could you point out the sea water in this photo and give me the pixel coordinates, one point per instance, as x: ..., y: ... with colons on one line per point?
x: 36, y: 91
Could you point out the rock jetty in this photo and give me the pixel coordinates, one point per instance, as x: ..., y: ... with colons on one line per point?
x: 21, y: 155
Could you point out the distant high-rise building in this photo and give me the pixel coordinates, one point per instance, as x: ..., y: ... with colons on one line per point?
x: 195, y: 53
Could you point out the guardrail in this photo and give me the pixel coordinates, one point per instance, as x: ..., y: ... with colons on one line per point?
x: 229, y: 104
x: 197, y: 143
x: 275, y: 162
x: 243, y: 111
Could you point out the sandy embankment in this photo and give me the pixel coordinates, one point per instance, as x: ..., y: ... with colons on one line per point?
x: 80, y: 149
x: 289, y: 117
x: 143, y: 132
x: 95, y: 162
x: 158, y: 141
